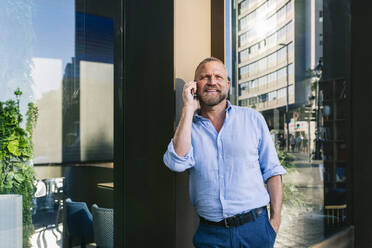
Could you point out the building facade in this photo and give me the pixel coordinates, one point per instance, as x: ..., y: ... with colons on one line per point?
x: 278, y: 42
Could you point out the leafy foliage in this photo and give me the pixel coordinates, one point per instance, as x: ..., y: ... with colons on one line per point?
x: 291, y: 195
x: 16, y: 151
x: 285, y: 159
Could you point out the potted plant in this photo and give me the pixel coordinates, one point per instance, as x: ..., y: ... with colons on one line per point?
x: 16, y: 152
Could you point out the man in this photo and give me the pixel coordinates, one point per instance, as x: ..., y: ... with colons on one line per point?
x: 229, y: 154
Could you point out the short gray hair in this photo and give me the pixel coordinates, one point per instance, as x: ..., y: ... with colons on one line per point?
x: 207, y: 60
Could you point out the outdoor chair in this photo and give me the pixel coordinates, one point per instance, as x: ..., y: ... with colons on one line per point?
x: 79, y: 222
x: 103, y: 226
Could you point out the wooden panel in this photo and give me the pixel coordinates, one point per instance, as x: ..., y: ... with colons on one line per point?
x: 218, y: 29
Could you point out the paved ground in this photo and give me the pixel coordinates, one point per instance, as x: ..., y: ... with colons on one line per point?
x: 47, y: 237
x: 303, y: 225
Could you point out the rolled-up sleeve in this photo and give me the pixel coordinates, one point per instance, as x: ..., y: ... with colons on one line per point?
x: 177, y: 163
x: 268, y: 157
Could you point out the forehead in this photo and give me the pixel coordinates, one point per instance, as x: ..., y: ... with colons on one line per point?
x: 212, y: 67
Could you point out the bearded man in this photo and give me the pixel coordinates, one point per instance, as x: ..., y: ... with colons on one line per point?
x: 229, y: 154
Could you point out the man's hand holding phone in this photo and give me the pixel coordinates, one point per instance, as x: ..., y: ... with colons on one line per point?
x: 189, y: 96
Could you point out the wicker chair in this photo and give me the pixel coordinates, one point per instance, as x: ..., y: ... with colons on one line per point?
x: 103, y: 226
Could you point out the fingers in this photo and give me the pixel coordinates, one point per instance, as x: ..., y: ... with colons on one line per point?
x: 190, y: 88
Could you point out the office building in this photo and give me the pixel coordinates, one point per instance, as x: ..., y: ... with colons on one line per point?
x: 278, y: 42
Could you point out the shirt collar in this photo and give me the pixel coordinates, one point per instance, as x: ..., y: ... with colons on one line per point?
x: 197, y: 115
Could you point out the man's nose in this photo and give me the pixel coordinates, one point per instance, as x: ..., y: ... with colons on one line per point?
x: 212, y: 81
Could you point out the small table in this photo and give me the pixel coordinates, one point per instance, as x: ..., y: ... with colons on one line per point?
x: 109, y: 186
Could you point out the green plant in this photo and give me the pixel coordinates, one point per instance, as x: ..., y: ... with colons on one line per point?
x: 286, y: 160
x: 16, y: 151
x: 291, y: 195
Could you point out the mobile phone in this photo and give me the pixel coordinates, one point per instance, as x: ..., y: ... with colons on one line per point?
x: 194, y: 93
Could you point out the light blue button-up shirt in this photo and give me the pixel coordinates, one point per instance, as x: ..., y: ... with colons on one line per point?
x: 227, y: 170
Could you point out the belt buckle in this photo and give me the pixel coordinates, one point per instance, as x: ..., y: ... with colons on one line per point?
x: 226, y: 223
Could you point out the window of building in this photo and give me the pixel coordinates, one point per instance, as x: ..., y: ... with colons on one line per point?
x: 262, y: 64
x: 243, y: 88
x: 271, y: 40
x: 272, y: 96
x: 243, y: 55
x: 314, y: 159
x: 271, y: 60
x: 290, y: 69
x: 262, y: 81
x: 243, y: 23
x: 271, y: 77
x: 242, y: 6
x: 289, y: 9
x: 289, y: 29
x: 243, y: 72
x: 281, y: 15
x: 282, y: 54
x: 290, y: 50
x: 281, y: 34
x: 282, y: 73
x: 243, y: 39
x: 60, y: 54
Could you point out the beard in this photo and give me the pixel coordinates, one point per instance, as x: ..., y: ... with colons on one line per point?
x: 213, y: 100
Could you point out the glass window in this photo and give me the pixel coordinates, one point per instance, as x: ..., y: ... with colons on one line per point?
x: 243, y: 55
x: 243, y: 88
x: 243, y: 72
x: 281, y: 14
x: 282, y: 73
x: 243, y: 39
x: 289, y: 8
x: 272, y: 96
x: 290, y: 49
x: 304, y: 133
x: 290, y: 69
x: 262, y: 64
x: 243, y: 5
x: 254, y: 83
x: 289, y: 30
x: 254, y: 49
x: 262, y: 81
x: 281, y: 34
x: 252, y: 16
x: 271, y: 77
x: 243, y: 22
x: 271, y: 40
x: 282, y: 54
x: 251, y: 35
x: 68, y: 73
x: 271, y: 60
x: 60, y: 54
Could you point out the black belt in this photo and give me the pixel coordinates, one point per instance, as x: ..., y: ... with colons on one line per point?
x: 236, y: 220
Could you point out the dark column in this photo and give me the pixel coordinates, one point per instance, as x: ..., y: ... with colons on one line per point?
x: 144, y: 112
x: 361, y: 95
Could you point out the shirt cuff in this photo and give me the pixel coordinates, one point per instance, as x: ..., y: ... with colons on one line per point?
x: 276, y: 170
x: 176, y: 162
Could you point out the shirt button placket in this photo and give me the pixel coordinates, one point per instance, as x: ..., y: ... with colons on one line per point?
x: 220, y: 170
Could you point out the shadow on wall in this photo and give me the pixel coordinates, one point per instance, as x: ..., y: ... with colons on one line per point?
x: 100, y: 141
x: 186, y: 218
x: 179, y: 102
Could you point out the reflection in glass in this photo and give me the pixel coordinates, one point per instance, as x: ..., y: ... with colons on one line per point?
x: 277, y: 48
x: 60, y: 55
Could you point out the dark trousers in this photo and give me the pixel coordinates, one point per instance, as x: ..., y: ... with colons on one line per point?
x: 254, y: 234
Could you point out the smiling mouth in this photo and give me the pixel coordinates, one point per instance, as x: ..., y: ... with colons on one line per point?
x: 212, y: 91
